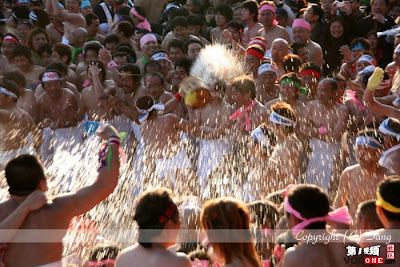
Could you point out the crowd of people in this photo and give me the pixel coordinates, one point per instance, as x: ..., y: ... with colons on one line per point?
x: 252, y: 124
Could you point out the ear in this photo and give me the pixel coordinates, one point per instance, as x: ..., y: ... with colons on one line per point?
x: 43, y: 185
x: 64, y: 59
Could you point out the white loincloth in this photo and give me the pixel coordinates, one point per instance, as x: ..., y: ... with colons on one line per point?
x: 210, y: 155
x: 6, y: 156
x: 53, y: 264
x: 166, y: 167
x: 321, y: 162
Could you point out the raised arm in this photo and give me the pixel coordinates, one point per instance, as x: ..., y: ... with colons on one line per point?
x: 74, y: 18
x: 87, y: 197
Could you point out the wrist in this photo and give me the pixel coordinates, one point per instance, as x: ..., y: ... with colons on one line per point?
x: 111, y: 64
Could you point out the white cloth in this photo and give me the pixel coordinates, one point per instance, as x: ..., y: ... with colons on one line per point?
x: 383, y: 161
x: 64, y: 40
x: 321, y: 162
x: 6, y: 156
x: 53, y: 264
x: 166, y: 167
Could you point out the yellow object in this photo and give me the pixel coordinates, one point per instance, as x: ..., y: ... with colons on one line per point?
x: 375, y: 80
x: 191, y: 98
x: 386, y: 205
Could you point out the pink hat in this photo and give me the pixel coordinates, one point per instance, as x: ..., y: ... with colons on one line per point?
x: 302, y: 24
x: 147, y: 38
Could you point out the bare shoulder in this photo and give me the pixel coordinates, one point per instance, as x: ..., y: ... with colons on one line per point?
x: 166, y: 96
x: 126, y: 255
x: 293, y: 257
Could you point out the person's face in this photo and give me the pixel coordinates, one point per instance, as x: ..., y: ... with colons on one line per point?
x: 303, y: 54
x: 22, y: 63
x: 22, y: 31
x: 282, y: 21
x: 181, y: 32
x: 236, y: 35
x: 93, y: 28
x: 311, y: 82
x: 90, y: 56
x: 380, y: 7
x: 53, y: 89
x: 154, y: 87
x: 288, y: 92
x: 246, y: 15
x: 278, y: 51
x: 86, y: 10
x: 325, y: 93
x: 72, y: 6
x: 180, y: 74
x: 357, y: 53
x: 237, y: 15
x: 165, y: 65
x: 367, y: 156
x: 253, y: 63
x: 361, y: 65
x: 189, y: 6
x: 267, y: 79
x: 175, y: 54
x: 38, y: 40
x: 194, y: 30
x: 300, y: 34
x: 326, y: 5
x: 149, y: 48
x: 46, y: 59
x: 266, y: 17
x: 220, y: 20
x: 7, y: 47
x: 194, y: 51
x: 120, y: 61
x: 309, y: 15
x: 336, y: 29
x: 396, y: 58
x: 209, y: 17
x: 127, y: 83
x: 239, y: 99
x: 55, y: 57
x: 111, y: 47
x: 373, y: 41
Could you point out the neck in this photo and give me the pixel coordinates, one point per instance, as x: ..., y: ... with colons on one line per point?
x: 247, y: 103
x: 250, y: 22
x: 268, y: 27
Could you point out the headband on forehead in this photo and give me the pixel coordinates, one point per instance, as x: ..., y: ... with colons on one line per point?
x: 160, y: 56
x: 33, y: 16
x: 50, y: 76
x: 128, y: 74
x: 387, y: 130
x: 258, y: 41
x: 369, y: 68
x: 368, y: 141
x: 267, y: 7
x: 367, y: 58
x: 291, y: 82
x: 145, y: 112
x: 5, y: 92
x: 281, y: 120
x: 314, y: 73
x: 147, y: 38
x: 384, y: 204
x: 358, y: 46
x: 301, y: 23
x: 11, y: 39
x: 267, y: 67
x: 254, y: 52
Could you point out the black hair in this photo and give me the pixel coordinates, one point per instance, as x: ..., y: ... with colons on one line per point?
x: 245, y: 84
x: 22, y: 50
x: 317, y: 10
x: 127, y: 48
x: 155, y: 74
x: 296, y: 46
x: 184, y: 63
x: 24, y: 174
x: 225, y: 10
x: 187, y: 43
x: 236, y: 25
x: 252, y: 6
x: 151, y: 63
x: 311, y: 66
x: 15, y: 76
x: 179, y: 21
x: 45, y: 48
x: 63, y: 50
x: 367, y: 211
x: 389, y: 189
x: 92, y: 45
x: 12, y: 87
x: 292, y: 63
x: 333, y: 83
x: 176, y: 43
x: 90, y: 18
x: 126, y: 28
x: 112, y: 38
x: 59, y: 66
x: 132, y: 69
x: 196, y: 19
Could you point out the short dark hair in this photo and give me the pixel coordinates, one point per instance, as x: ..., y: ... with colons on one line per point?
x: 296, y: 46
x: 196, y: 19
x: 24, y: 174
x: 184, y: 63
x: 12, y: 87
x: 225, y: 10
x: 317, y: 10
x: 34, y: 32
x: 236, y: 25
x: 389, y: 189
x: 122, y: 54
x: 367, y: 211
x: 126, y: 28
x: 311, y: 66
x: 155, y: 74
x: 179, y: 21
x: 16, y: 76
x: 63, y: 50
x: 292, y: 63
x: 60, y: 67
x: 311, y: 202
x: 332, y: 82
x: 187, y: 43
x: 112, y: 38
x: 92, y: 45
x: 104, y: 251
x: 22, y: 50
x: 176, y: 44
x: 127, y: 49
x: 151, y: 63
x: 45, y: 48
x: 90, y: 18
x: 245, y: 84
x: 252, y: 6
x: 132, y: 69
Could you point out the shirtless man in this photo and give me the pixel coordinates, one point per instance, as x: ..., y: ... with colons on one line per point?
x: 271, y: 31
x: 63, y: 53
x: 254, y: 55
x: 390, y: 128
x: 71, y: 17
x: 325, y: 122
x: 250, y: 17
x: 15, y: 126
x: 310, y: 75
x: 267, y: 89
x: 27, y: 100
x: 279, y: 49
x: 367, y: 172
x: 9, y: 42
x: 25, y: 174
x: 302, y: 200
x: 22, y: 56
x: 302, y: 33
x: 148, y: 46
x: 155, y: 87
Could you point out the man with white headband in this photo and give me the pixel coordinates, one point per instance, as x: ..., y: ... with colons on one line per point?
x: 390, y: 128
x: 271, y: 29
x: 368, y: 172
x: 164, y: 60
x: 15, y: 120
x: 364, y: 61
x: 325, y: 123
x: 58, y: 114
x: 267, y: 89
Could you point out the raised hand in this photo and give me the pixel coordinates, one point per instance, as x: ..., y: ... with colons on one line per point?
x: 35, y: 200
x: 105, y: 56
x: 375, y: 80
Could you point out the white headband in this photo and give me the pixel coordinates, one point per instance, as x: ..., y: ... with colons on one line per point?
x: 160, y: 56
x: 267, y: 67
x: 386, y: 130
x: 260, y: 137
x: 4, y: 91
x: 145, y: 113
x: 367, y: 58
x: 368, y: 141
x: 279, y: 119
x: 50, y: 76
